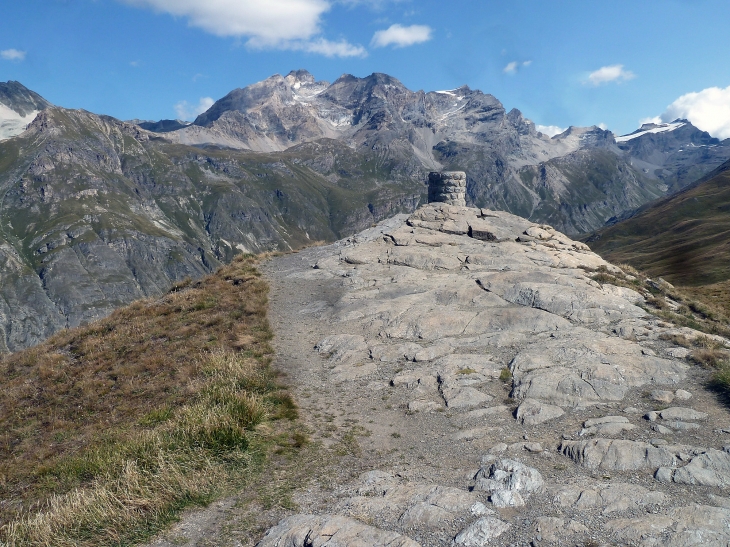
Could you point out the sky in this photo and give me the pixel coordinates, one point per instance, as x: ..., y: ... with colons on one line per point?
x: 614, y: 63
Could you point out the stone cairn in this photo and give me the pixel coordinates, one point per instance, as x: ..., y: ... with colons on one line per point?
x: 447, y: 187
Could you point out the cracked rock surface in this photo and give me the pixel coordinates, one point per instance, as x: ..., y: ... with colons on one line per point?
x: 503, y: 396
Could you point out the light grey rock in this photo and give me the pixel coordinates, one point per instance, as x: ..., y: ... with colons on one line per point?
x: 688, y: 526
x: 556, y: 530
x: 605, y: 420
x: 652, y: 416
x: 677, y: 353
x: 532, y: 412
x: 682, y: 413
x: 662, y: 396
x: 330, y: 531
x: 480, y: 532
x: 507, y: 475
x: 613, y: 428
x: 341, y: 348
x: 682, y: 395
x: 420, y: 405
x: 661, y: 429
x: 609, y: 498
x: 464, y: 397
x: 585, y: 367
x: 684, y: 426
x: 711, y: 468
x: 617, y: 454
x: 607, y: 425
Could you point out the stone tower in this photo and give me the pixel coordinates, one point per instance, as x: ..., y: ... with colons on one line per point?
x: 447, y: 187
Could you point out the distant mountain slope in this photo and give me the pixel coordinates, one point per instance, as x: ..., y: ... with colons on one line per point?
x: 18, y: 107
x: 677, y: 153
x: 684, y: 238
x: 98, y: 212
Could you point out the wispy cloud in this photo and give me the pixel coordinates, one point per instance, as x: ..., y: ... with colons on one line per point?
x: 13, y: 55
x: 514, y: 66
x: 400, y: 36
x: 611, y: 73
x: 134, y: 64
x: 187, y: 111
x: 550, y: 130
x: 281, y: 24
x: 330, y: 49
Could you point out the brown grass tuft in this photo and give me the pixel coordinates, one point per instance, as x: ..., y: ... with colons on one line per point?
x: 107, y: 431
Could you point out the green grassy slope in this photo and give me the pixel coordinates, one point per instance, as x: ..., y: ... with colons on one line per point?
x: 685, y: 238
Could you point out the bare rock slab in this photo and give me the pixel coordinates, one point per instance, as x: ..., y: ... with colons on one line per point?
x: 532, y: 412
x: 330, y: 531
x: 481, y: 532
x: 509, y: 482
x: 617, y: 454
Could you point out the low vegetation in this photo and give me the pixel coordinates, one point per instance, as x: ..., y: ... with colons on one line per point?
x: 694, y: 309
x: 108, y: 431
x: 697, y: 307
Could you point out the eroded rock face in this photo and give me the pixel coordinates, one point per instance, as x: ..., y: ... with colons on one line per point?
x: 509, y: 397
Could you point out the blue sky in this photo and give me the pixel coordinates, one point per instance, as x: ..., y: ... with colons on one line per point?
x: 561, y: 62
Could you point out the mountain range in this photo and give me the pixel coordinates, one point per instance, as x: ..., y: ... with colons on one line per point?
x: 96, y: 212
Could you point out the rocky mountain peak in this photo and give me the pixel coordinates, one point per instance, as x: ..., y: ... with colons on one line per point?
x: 18, y: 106
x: 20, y: 99
x: 300, y: 76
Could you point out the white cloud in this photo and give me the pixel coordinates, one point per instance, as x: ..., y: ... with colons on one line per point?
x: 187, y: 111
x: 328, y: 48
x: 550, y: 130
x: 511, y: 68
x: 13, y: 55
x: 612, y: 73
x: 400, y: 36
x: 708, y: 109
x: 602, y: 126
x: 653, y: 119
x: 280, y: 24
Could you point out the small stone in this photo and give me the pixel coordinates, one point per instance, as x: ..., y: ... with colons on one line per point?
x: 535, y: 448
x: 498, y: 448
x: 664, y: 474
x: 481, y: 531
x: 682, y: 413
x: 661, y: 429
x: 423, y: 406
x: 682, y: 395
x: 606, y: 420
x: 507, y: 498
x: 684, y: 426
x: 532, y: 412
x: 662, y: 396
x: 652, y: 416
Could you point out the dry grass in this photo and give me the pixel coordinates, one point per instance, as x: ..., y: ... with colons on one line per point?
x: 680, y: 306
x: 108, y: 431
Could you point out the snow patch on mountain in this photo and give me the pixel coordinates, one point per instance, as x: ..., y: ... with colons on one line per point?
x: 12, y: 123
x: 652, y: 128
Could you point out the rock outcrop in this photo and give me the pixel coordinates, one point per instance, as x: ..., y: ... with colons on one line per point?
x: 508, y: 397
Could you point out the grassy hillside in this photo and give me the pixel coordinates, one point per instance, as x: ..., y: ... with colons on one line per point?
x: 684, y: 238
x: 108, y: 431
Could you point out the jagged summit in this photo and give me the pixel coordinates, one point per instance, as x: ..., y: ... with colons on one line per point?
x: 18, y: 107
